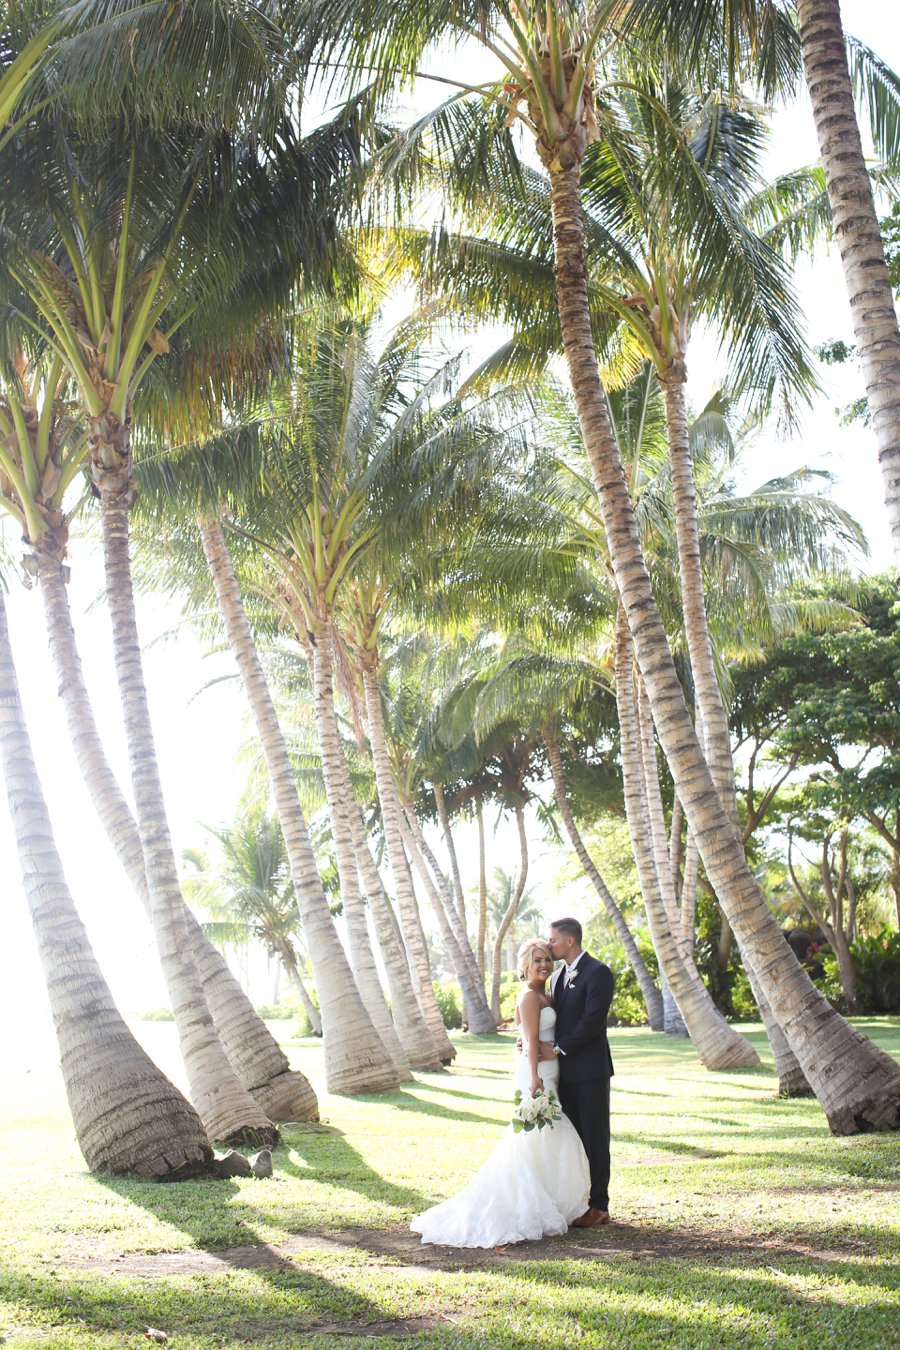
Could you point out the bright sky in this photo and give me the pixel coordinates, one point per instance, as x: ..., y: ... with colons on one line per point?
x: 199, y: 737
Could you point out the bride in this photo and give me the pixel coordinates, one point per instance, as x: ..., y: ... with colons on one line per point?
x: 535, y: 1182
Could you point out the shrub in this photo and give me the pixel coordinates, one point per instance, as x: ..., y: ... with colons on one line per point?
x: 744, y: 1007
x: 158, y: 1015
x: 628, y: 1006
x: 449, y: 1005
x: 878, y: 971
x: 277, y: 1012
x: 510, y: 989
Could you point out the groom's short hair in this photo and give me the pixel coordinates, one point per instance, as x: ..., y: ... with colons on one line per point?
x: 568, y: 928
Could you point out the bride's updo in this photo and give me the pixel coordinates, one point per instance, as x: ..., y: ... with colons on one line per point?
x: 526, y: 954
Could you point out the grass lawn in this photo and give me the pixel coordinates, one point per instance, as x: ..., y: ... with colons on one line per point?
x: 739, y: 1222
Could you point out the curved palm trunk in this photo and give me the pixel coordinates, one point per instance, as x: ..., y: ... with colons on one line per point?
x: 409, y: 911
x: 482, y: 891
x: 689, y: 889
x: 718, y: 1046
x: 512, y: 910
x: 227, y: 1110
x: 857, y: 232
x: 128, y: 1116
x: 361, y: 957
x: 405, y: 1010
x: 478, y: 1014
x: 712, y: 720
x: 857, y: 1085
x: 260, y: 1063
x: 288, y: 958
x: 355, y: 1059
x: 444, y: 817
x: 652, y: 996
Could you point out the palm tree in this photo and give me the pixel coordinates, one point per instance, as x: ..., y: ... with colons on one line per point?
x: 356, y: 1059
x: 835, y: 67
x: 128, y: 1116
x: 251, y: 890
x: 547, y: 57
x: 111, y: 251
x: 856, y: 224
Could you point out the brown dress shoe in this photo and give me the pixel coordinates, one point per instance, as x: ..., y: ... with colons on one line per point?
x: 591, y: 1218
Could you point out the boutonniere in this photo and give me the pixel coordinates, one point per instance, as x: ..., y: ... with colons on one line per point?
x: 573, y: 976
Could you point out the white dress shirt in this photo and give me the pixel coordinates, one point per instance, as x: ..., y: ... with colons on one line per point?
x: 570, y: 970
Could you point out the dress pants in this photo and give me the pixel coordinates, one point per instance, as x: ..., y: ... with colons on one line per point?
x: 587, y: 1106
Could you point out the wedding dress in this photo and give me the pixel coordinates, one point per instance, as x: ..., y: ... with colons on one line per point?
x: 535, y: 1183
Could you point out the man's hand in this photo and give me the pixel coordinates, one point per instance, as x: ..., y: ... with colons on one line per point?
x: 547, y: 1050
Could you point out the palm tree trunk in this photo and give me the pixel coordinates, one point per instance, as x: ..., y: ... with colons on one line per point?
x: 226, y: 1108
x: 390, y: 815
x: 482, y: 891
x: 718, y: 1046
x: 857, y: 1085
x: 128, y: 1116
x: 478, y: 1014
x: 288, y: 958
x: 511, y: 911
x: 689, y: 889
x: 407, y: 1014
x: 361, y: 957
x: 355, y: 1059
x: 711, y: 718
x: 857, y: 232
x: 652, y: 997
x: 444, y: 818
x: 260, y: 1063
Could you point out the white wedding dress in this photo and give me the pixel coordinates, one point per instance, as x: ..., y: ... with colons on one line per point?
x: 534, y: 1183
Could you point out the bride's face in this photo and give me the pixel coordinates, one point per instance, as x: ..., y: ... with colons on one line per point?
x: 541, y: 966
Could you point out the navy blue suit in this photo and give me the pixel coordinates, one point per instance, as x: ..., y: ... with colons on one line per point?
x: 585, y: 1063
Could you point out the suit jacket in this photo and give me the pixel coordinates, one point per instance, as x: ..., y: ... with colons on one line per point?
x: 581, y: 1013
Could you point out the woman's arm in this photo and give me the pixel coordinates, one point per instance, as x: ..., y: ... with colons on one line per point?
x: 529, y: 1020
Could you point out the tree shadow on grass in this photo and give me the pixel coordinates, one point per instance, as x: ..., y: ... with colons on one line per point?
x: 447, y: 1090
x: 331, y: 1161
x: 405, y: 1101
x: 289, y: 1301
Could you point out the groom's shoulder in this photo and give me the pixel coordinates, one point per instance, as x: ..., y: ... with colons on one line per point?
x: 598, y: 967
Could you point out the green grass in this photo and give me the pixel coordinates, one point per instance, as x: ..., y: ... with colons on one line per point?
x: 740, y: 1222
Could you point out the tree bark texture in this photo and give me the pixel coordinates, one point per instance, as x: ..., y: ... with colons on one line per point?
x: 355, y: 1059
x: 857, y: 1085
x: 481, y: 952
x: 444, y: 818
x: 227, y: 1110
x: 652, y: 996
x: 361, y: 956
x: 717, y: 1044
x: 260, y: 1063
x: 480, y: 1019
x: 858, y: 234
x: 410, y: 919
x: 512, y: 910
x: 405, y: 1010
x: 128, y: 1117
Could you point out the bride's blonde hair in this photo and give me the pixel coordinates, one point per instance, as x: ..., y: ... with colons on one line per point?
x: 525, y: 955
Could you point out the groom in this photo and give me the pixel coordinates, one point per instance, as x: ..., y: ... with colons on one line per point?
x: 582, y: 991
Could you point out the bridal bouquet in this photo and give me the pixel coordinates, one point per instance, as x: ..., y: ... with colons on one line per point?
x: 534, y: 1112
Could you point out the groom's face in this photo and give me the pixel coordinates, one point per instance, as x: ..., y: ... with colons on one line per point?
x: 558, y: 945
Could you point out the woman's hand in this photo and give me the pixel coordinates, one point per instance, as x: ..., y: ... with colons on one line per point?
x: 536, y: 1086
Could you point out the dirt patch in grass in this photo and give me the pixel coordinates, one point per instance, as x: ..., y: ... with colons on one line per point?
x: 406, y: 1256
x: 253, y: 1328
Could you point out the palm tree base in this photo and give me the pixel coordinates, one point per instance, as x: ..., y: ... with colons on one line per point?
x: 251, y: 1137
x: 794, y: 1084
x: 877, y: 1112
x: 287, y: 1097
